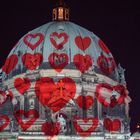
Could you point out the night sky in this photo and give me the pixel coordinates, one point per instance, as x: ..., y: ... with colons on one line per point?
x: 115, y: 22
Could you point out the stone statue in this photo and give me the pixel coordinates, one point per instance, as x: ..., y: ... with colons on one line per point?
x: 115, y: 93
x: 62, y: 122
x: 11, y: 125
x: 121, y: 75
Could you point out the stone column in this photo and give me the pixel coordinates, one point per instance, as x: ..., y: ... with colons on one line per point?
x: 99, y: 110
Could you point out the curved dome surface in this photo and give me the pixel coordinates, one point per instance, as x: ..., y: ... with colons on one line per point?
x: 59, y: 46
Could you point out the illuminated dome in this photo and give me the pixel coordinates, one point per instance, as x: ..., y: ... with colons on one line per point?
x: 62, y: 79
x: 60, y: 46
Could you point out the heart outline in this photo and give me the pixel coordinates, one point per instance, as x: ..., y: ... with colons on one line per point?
x: 119, y: 88
x: 33, y: 36
x: 91, y: 129
x: 59, y: 35
x: 26, y: 125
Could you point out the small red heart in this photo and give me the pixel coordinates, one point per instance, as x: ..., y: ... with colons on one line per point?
x: 104, y: 94
x: 83, y: 63
x: 32, y: 61
x: 31, y: 115
x: 112, y: 125
x: 59, y: 39
x: 82, y: 131
x: 107, y: 65
x: 10, y: 63
x: 33, y: 40
x: 50, y: 129
x: 5, y: 119
x: 22, y: 84
x: 58, y: 61
x: 103, y: 46
x: 55, y: 95
x: 84, y: 102
x: 82, y: 43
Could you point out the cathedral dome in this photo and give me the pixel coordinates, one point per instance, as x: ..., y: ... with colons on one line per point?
x: 60, y: 75
x: 60, y: 46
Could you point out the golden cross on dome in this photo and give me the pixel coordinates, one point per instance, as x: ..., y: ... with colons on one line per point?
x: 61, y: 87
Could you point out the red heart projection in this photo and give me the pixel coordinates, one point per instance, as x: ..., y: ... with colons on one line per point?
x: 103, y: 46
x: 37, y: 38
x: 22, y: 84
x: 84, y: 102
x: 5, y: 120
x: 82, y: 63
x: 10, y: 63
x: 31, y: 116
x: 104, y: 94
x: 50, y: 128
x: 32, y: 61
x: 4, y: 97
x: 107, y: 65
x: 59, y: 39
x: 55, y: 95
x: 58, y: 61
x: 82, y: 43
x: 82, y: 131
x: 112, y: 125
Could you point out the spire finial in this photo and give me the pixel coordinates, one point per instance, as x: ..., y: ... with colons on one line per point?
x: 60, y: 12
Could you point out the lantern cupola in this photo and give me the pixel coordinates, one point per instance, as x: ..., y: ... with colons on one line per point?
x: 60, y: 12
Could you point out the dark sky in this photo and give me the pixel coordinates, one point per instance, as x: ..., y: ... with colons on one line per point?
x: 116, y: 22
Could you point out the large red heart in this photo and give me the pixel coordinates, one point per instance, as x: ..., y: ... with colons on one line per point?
x: 5, y: 120
x: 32, y: 61
x: 112, y: 125
x: 22, y: 84
x: 90, y: 123
x: 10, y: 63
x: 58, y: 61
x: 55, y: 95
x: 50, y: 128
x: 59, y: 39
x: 103, y: 46
x: 31, y: 116
x: 82, y: 43
x: 84, y: 102
x: 104, y: 94
x: 83, y: 63
x: 36, y: 38
x: 106, y: 65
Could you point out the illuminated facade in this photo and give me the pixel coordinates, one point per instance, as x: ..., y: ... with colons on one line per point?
x: 61, y: 81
